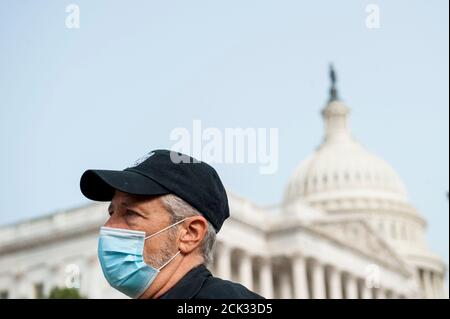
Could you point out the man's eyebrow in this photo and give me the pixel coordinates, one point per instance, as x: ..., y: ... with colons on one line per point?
x: 132, y: 208
x: 128, y: 206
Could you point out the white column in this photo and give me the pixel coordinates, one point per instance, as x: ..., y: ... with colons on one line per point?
x: 84, y: 280
x: 445, y: 292
x: 437, y: 289
x: 380, y: 293
x: 428, y: 285
x: 57, y: 277
x: 334, y: 283
x: 443, y: 287
x: 265, y: 278
x: 224, y: 262
x: 94, y: 279
x: 54, y: 280
x: 285, y: 286
x: 13, y: 289
x: 245, y: 271
x: 351, y: 287
x: 318, y: 279
x: 366, y: 292
x: 7, y: 282
x: 24, y: 288
x: 300, y: 278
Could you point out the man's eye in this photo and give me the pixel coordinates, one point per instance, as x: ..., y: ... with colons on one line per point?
x: 130, y: 213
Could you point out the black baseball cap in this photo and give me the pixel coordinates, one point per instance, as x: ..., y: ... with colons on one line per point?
x: 163, y: 172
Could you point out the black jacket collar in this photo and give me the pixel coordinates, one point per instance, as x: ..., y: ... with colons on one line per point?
x: 189, y: 286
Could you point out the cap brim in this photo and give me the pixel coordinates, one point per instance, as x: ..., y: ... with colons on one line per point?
x: 100, y: 185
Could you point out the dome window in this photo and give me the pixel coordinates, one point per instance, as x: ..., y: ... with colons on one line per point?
x: 347, y: 176
x: 393, y: 230
x: 380, y: 227
x: 403, y: 231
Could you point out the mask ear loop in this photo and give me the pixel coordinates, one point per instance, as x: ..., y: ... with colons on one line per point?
x: 160, y: 231
x: 159, y: 269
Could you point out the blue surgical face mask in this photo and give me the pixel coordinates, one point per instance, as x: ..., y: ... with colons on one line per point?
x: 120, y: 252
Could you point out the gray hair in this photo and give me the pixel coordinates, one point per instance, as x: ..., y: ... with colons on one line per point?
x: 180, y: 209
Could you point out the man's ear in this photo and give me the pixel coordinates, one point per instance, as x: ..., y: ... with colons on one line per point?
x: 192, y: 234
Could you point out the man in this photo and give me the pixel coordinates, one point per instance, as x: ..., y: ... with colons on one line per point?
x: 165, y: 212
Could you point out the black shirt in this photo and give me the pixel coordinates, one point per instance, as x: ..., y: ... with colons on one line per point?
x: 199, y: 283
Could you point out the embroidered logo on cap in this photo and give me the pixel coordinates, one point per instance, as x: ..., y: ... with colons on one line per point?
x: 143, y: 159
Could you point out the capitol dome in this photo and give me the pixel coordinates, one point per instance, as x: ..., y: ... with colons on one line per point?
x: 343, y: 182
x: 341, y: 174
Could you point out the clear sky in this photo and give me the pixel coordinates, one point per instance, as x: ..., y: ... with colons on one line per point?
x: 103, y: 95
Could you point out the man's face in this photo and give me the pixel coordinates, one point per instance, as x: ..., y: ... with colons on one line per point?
x: 146, y: 214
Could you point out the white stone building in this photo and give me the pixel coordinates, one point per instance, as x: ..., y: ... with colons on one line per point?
x: 345, y: 229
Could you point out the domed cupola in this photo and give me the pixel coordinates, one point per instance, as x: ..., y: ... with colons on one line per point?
x: 341, y: 174
x: 342, y: 179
